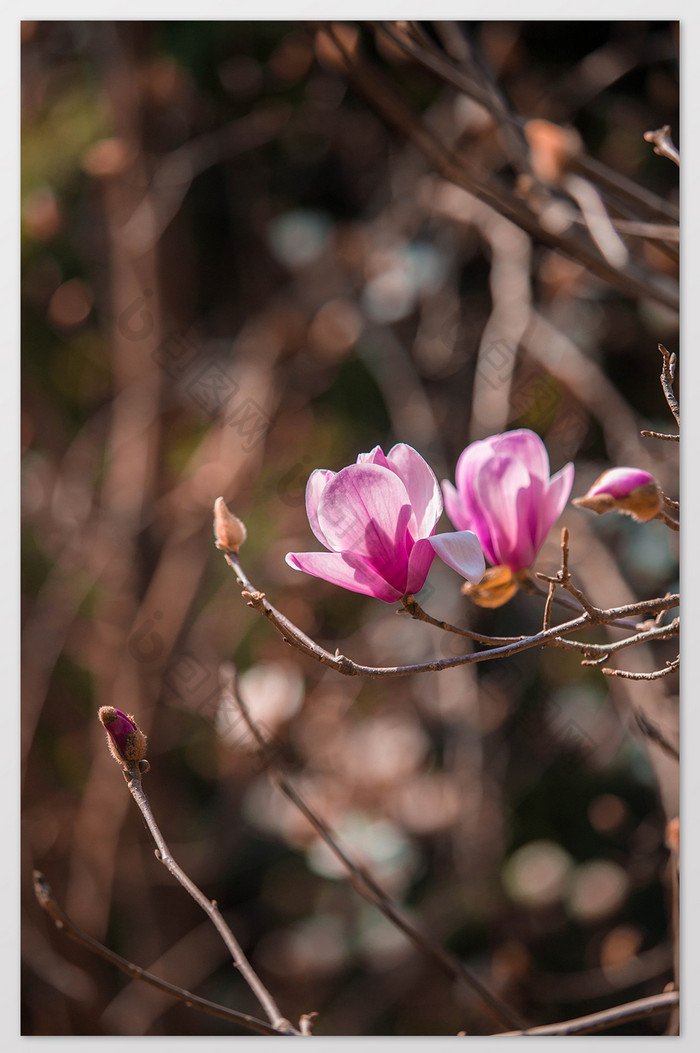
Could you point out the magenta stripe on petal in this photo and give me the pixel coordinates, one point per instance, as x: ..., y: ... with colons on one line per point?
x: 346, y: 570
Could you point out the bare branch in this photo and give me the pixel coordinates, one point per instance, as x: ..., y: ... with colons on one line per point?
x: 656, y: 675
x: 660, y: 435
x: 663, y: 144
x: 668, y: 375
x: 607, y: 1018
x: 412, y: 607
x: 648, y: 728
x: 45, y: 899
x: 361, y: 880
x: 298, y: 639
x: 279, y: 1023
x: 633, y: 278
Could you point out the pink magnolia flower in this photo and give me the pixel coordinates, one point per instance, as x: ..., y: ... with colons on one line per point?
x: 630, y: 490
x: 505, y: 495
x: 377, y: 517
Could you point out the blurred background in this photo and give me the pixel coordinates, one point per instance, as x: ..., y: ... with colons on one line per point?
x: 240, y: 261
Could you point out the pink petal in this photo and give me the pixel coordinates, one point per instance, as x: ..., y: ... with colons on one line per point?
x: 529, y: 504
x: 527, y: 447
x: 375, y: 456
x: 365, y: 509
x: 454, y: 506
x: 468, y: 465
x: 421, y: 485
x: 470, y: 460
x: 462, y: 552
x: 555, y: 499
x: 344, y: 569
x: 314, y: 488
x: 496, y: 489
x: 419, y: 563
x: 620, y: 482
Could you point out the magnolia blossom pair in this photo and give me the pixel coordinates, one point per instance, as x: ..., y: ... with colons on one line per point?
x: 377, y: 517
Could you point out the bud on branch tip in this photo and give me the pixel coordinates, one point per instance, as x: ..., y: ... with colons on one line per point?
x: 229, y: 531
x: 629, y: 490
x: 124, y: 737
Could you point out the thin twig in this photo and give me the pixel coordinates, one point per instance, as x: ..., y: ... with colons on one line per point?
x: 563, y: 578
x: 660, y: 435
x: 530, y: 585
x: 412, y: 607
x: 657, y: 674
x: 650, y: 231
x: 661, y: 632
x: 667, y: 519
x: 45, y: 899
x: 634, y: 278
x: 279, y: 1023
x: 668, y: 375
x: 663, y: 144
x: 606, y: 1018
x: 359, y: 877
x: 648, y: 728
x: 547, y: 616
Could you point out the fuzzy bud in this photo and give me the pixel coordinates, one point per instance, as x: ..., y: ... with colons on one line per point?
x: 229, y: 531
x: 496, y: 587
x: 629, y: 490
x: 124, y: 737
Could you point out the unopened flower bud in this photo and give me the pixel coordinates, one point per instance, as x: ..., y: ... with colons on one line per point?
x: 629, y: 490
x: 229, y: 531
x: 124, y: 737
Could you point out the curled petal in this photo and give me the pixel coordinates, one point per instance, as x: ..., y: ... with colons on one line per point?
x: 526, y: 447
x: 555, y: 499
x: 345, y: 569
x: 421, y: 486
x: 462, y: 552
x: 375, y: 456
x: 419, y: 563
x: 314, y: 488
x: 454, y: 506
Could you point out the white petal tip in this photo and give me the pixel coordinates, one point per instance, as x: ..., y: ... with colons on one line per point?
x: 462, y: 552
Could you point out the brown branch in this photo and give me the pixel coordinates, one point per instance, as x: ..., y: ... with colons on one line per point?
x: 667, y: 519
x: 563, y: 578
x: 648, y: 728
x: 412, y: 607
x: 633, y: 279
x: 650, y: 231
x: 210, y: 908
x: 361, y: 880
x: 660, y: 435
x: 656, y: 675
x: 660, y: 632
x: 668, y: 375
x: 606, y: 1018
x: 663, y: 144
x: 45, y: 899
x: 530, y: 585
x: 348, y: 667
